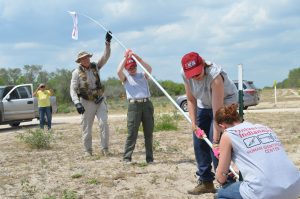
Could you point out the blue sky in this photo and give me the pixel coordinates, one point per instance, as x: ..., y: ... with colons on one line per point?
x: 261, y: 35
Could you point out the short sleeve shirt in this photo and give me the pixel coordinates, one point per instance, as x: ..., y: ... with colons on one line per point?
x: 43, y: 98
x: 136, y: 86
x: 201, y: 90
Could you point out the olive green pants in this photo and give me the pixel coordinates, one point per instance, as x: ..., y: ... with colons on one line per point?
x: 139, y: 112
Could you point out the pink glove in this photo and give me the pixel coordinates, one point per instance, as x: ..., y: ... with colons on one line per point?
x: 200, y: 133
x: 216, y: 150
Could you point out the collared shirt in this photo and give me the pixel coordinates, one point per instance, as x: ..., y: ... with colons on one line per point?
x: 75, y: 81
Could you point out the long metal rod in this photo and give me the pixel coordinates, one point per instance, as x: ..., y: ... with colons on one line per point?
x: 156, y: 83
x: 152, y: 78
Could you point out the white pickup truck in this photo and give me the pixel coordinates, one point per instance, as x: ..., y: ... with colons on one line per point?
x: 18, y: 105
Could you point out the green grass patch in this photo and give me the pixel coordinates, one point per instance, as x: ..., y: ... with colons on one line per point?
x: 93, y: 181
x: 166, y: 122
x: 141, y: 164
x: 67, y: 194
x: 37, y: 138
x: 77, y: 175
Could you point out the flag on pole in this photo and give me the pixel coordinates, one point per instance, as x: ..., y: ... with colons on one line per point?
x: 75, y: 25
x: 275, y: 84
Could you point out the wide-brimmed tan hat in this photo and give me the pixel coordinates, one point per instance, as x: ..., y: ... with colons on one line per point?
x: 82, y: 54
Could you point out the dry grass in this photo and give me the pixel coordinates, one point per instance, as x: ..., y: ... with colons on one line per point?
x: 62, y: 170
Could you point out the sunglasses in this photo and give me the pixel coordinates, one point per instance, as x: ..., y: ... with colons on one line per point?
x: 42, y: 86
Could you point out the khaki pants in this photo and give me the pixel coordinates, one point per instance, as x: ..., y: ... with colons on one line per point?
x: 92, y: 110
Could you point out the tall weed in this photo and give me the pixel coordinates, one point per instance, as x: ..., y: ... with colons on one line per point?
x: 37, y: 138
x: 166, y: 122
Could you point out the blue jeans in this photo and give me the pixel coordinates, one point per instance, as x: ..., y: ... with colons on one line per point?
x: 230, y: 191
x: 45, y: 111
x: 203, y: 153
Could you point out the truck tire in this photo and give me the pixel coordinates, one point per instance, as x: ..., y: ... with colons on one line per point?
x: 184, y: 106
x: 15, y: 124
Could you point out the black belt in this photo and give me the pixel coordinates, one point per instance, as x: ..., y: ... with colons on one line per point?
x: 138, y: 100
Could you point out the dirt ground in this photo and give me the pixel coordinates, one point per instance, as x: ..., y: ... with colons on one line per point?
x: 63, y: 171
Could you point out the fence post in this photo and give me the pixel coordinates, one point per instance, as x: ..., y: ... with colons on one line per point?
x: 241, y: 94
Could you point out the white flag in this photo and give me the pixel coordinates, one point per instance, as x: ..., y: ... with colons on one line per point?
x: 75, y: 25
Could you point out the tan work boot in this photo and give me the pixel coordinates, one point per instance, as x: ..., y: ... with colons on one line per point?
x: 203, y: 187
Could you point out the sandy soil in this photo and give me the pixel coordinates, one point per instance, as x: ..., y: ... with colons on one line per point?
x: 63, y: 171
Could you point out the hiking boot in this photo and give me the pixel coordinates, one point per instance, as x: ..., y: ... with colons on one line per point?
x: 203, y: 187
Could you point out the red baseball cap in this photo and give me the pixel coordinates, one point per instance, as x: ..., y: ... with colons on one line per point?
x: 192, y: 64
x: 130, y: 63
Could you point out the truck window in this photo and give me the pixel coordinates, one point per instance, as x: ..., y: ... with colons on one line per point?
x: 6, y: 90
x: 14, y: 94
x: 23, y: 92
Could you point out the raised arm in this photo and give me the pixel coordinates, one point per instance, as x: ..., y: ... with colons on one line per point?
x: 105, y: 56
x: 107, y: 50
x: 35, y: 92
x: 120, y: 69
x: 146, y: 65
x: 51, y: 91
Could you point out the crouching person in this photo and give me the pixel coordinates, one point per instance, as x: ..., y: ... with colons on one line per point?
x: 256, y: 150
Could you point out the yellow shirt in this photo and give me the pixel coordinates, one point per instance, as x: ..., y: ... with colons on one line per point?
x: 43, y: 98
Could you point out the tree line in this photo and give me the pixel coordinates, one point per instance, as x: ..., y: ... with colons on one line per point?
x: 59, y: 81
x: 293, y: 80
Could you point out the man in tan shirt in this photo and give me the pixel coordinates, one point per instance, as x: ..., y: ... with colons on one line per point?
x: 86, y: 92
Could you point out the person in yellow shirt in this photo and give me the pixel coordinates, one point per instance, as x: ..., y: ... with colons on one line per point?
x: 43, y: 95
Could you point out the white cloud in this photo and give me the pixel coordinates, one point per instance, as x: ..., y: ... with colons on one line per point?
x: 26, y: 45
x: 118, y: 9
x: 260, y: 18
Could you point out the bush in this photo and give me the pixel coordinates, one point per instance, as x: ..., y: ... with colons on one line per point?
x: 65, y: 108
x: 37, y: 138
x: 165, y: 123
